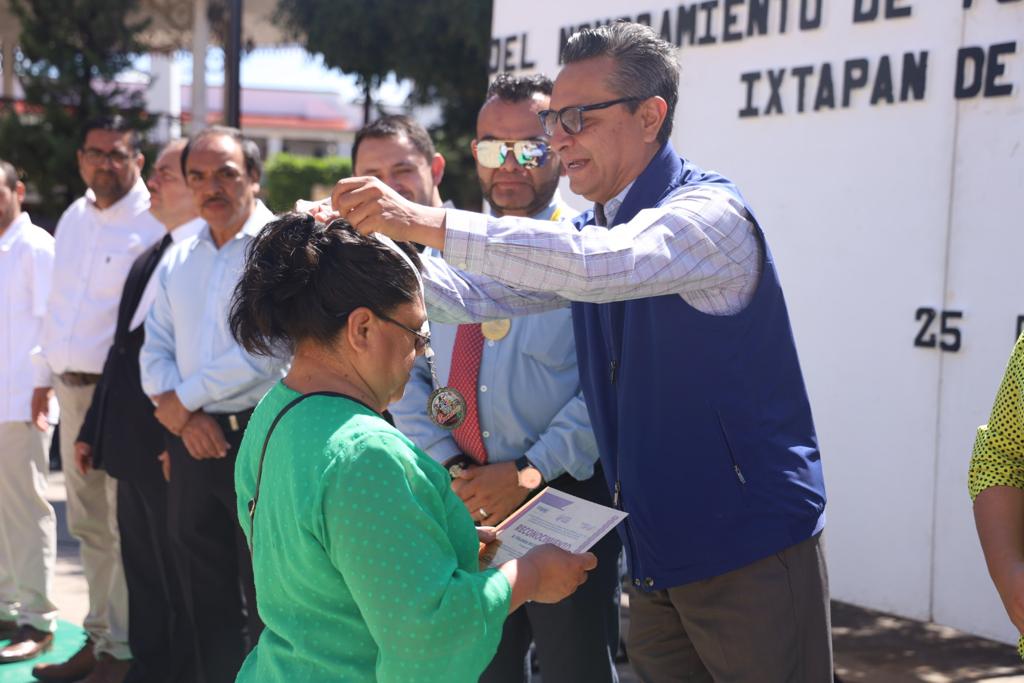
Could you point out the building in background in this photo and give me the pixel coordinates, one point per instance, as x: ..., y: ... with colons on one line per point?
x: 305, y: 122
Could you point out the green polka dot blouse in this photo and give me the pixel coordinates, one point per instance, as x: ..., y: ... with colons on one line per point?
x: 365, y: 561
x: 998, y: 458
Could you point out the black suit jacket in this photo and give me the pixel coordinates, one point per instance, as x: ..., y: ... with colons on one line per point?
x: 120, y: 427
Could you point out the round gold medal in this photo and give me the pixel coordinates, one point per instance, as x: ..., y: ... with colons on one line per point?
x: 496, y: 329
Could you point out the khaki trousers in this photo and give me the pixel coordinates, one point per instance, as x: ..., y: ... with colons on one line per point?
x: 28, y: 529
x: 92, y: 519
x: 768, y: 622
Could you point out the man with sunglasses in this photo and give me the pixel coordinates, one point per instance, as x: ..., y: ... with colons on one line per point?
x: 527, y: 424
x: 97, y: 239
x: 205, y: 386
x: 687, y: 362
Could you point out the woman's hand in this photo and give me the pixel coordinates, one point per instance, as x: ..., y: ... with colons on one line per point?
x: 559, y: 572
x: 546, y: 574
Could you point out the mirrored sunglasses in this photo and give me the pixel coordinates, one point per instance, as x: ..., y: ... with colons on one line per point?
x: 528, y: 153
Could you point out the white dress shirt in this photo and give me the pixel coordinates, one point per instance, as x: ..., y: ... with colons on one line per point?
x: 26, y: 267
x: 189, y: 347
x: 95, y: 249
x: 178, y: 235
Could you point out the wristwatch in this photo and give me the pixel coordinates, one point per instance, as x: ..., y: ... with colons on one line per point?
x: 529, y: 476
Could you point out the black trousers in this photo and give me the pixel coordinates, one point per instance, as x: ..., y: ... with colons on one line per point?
x: 159, y: 632
x: 212, y: 557
x: 577, y: 638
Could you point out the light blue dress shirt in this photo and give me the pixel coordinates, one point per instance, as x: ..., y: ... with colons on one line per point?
x: 189, y: 347
x: 528, y: 395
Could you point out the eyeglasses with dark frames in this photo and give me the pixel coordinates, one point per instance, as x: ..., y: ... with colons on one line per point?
x: 571, y: 118
x: 422, y: 341
x: 97, y: 156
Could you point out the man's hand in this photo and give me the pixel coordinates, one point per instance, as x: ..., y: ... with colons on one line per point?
x: 40, y: 409
x: 83, y: 457
x: 371, y: 206
x: 494, y: 489
x: 171, y: 413
x: 165, y: 465
x: 203, y: 437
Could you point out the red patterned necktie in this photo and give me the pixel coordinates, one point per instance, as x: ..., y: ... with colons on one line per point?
x: 464, y: 375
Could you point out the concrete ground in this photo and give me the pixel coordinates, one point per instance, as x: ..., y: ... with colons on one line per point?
x: 870, y: 647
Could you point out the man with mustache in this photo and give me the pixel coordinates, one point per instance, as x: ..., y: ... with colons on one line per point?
x: 97, y: 239
x: 205, y: 386
x: 527, y: 424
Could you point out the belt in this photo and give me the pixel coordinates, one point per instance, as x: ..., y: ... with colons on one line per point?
x: 73, y: 378
x: 232, y: 422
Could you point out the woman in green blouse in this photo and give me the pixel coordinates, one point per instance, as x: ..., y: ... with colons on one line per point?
x: 366, y: 563
x: 996, y: 484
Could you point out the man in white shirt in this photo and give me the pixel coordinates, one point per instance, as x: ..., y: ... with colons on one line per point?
x: 205, y: 387
x: 97, y: 239
x: 28, y: 529
x: 121, y: 436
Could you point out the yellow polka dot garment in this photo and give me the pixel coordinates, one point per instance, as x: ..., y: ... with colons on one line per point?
x: 365, y: 561
x: 998, y: 458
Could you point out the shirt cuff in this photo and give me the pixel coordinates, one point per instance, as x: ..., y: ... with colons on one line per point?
x: 549, y: 468
x: 191, y: 394
x: 465, y: 239
x: 443, y: 450
x: 42, y: 376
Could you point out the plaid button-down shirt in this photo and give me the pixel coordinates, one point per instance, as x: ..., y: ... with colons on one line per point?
x: 700, y: 244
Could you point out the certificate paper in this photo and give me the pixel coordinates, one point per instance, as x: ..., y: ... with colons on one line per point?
x: 551, y: 517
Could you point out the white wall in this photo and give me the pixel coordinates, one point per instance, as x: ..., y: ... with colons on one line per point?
x: 872, y: 211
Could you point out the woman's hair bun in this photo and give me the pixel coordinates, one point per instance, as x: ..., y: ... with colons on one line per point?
x: 302, y: 278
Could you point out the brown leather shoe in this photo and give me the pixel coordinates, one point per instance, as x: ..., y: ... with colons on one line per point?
x: 27, y: 643
x: 79, y: 666
x: 108, y: 670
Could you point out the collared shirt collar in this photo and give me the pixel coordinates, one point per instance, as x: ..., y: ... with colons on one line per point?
x: 259, y: 217
x: 134, y: 201
x: 544, y: 214
x: 13, y: 230
x: 188, y: 229
x: 612, y: 206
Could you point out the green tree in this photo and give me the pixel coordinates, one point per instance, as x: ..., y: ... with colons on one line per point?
x: 70, y: 54
x: 288, y: 177
x: 442, y: 45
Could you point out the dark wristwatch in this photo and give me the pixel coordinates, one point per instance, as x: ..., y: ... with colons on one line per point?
x: 529, y: 476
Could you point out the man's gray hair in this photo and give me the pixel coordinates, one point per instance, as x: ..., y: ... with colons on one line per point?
x: 250, y: 150
x: 645, y: 65
x: 10, y: 174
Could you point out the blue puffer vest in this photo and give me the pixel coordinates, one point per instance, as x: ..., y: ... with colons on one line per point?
x: 703, y: 421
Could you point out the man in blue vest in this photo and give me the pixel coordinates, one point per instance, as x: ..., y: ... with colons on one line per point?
x: 687, y: 363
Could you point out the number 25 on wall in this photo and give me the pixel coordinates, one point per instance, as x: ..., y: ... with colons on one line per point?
x: 947, y: 338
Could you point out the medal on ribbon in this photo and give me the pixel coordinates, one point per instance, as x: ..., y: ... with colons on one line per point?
x: 446, y: 406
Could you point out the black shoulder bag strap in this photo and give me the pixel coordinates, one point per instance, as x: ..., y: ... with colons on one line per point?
x: 266, y: 442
